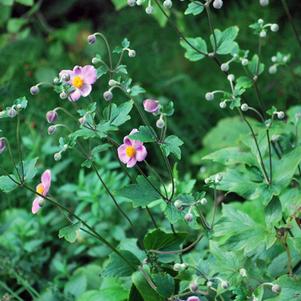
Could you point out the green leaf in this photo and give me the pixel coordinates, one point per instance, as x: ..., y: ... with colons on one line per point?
x: 69, y: 232
x: 142, y: 193
x: 76, y: 285
x: 14, y: 25
x: 120, y: 114
x: 243, y: 82
x: 30, y: 169
x: 116, y: 293
x: 6, y: 184
x: 165, y: 284
x: 118, y: 267
x: 172, y: 145
x: 195, y: 8
x: 7, y: 2
x: 119, y: 4
x: 273, y: 212
x: 255, y: 67
x: 145, y: 134
x: 26, y: 2
x: 225, y: 40
x: 196, y: 48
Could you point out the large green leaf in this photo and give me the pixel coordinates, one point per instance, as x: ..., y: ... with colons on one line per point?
x: 195, y: 8
x: 6, y: 184
x: 69, y: 232
x: 172, y: 145
x: 196, y: 48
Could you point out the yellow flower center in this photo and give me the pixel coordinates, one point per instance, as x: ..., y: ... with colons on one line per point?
x: 130, y: 151
x: 77, y: 82
x: 40, y: 189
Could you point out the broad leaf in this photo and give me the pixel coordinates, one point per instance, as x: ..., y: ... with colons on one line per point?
x: 69, y: 232
x: 196, y: 48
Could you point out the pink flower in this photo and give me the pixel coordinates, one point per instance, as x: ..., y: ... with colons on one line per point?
x: 193, y: 298
x: 151, y: 105
x: 81, y: 79
x: 131, y: 151
x: 41, y: 189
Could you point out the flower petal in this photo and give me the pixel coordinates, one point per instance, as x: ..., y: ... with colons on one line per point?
x: 141, y: 153
x: 127, y: 140
x: 86, y: 90
x: 77, y: 70
x: 75, y: 95
x: 36, y: 205
x: 132, y: 162
x: 46, y: 180
x: 89, y: 74
x: 122, y: 154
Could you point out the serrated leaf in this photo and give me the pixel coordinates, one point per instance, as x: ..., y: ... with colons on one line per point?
x: 195, y: 8
x: 196, y: 48
x: 145, y: 134
x: 6, y: 184
x: 172, y: 145
x: 69, y: 232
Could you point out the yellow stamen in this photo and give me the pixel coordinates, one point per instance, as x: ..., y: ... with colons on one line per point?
x: 130, y: 151
x: 77, y: 82
x: 40, y: 189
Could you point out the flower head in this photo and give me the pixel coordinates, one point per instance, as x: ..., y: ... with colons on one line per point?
x: 42, y: 190
x: 193, y: 298
x: 81, y: 79
x: 151, y: 105
x: 131, y: 151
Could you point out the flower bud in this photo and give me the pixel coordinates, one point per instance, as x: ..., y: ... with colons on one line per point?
x: 280, y: 115
x: 263, y: 34
x: 51, y: 116
x: 193, y: 298
x: 65, y: 77
x: 218, y: 178
x: 244, y: 107
x: 18, y: 107
x: 273, y: 69
x: 51, y: 130
x: 12, y: 113
x: 260, y: 21
x: 193, y: 286
x: 56, y: 81
x: 264, y: 2
x: 209, y: 283
x: 82, y: 120
x: 139, y: 2
x: 149, y: 10
x: 276, y: 288
x: 224, y: 284
x: 113, y: 82
x: 167, y: 4
x: 217, y: 4
x: 160, y: 123
x: 223, y: 105
x: 57, y: 156
x: 207, y: 180
x: 63, y: 95
x: 225, y: 67
x: 231, y: 77
x: 274, y: 27
x: 177, y: 267
x: 178, y: 204
x: 188, y: 217
x: 151, y: 105
x: 131, y: 3
x: 34, y: 90
x: 132, y: 53
x: 95, y: 60
x: 65, y: 147
x: 108, y: 95
x: 2, y: 145
x: 243, y: 272
x: 244, y: 62
x: 209, y: 96
x: 91, y: 39
x: 274, y: 59
x: 203, y: 201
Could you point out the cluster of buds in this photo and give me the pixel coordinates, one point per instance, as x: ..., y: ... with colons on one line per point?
x: 179, y: 267
x: 260, y: 28
x: 278, y: 60
x: 58, y: 156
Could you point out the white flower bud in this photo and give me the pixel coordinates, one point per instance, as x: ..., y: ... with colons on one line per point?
x: 12, y: 113
x: 244, y: 107
x: 231, y: 77
x: 273, y: 69
x: 149, y: 10
x: 274, y: 59
x: 243, y: 272
x: 177, y: 267
x: 244, y: 62
x: 108, y: 95
x: 34, y: 90
x: 203, y: 201
x: 132, y: 53
x: 217, y: 4
x: 131, y: 3
x: 57, y: 156
x: 139, y: 2
x: 280, y: 115
x: 260, y: 21
x: 225, y: 67
x: 207, y: 180
x: 274, y: 27
x: 56, y: 81
x: 95, y: 60
x: 160, y: 123
x: 167, y: 4
x: 178, y: 204
x: 263, y: 34
x: 264, y: 2
x: 188, y: 217
x: 209, y: 283
x: 18, y: 107
x: 63, y: 95
x: 113, y: 82
x: 193, y: 286
x: 218, y: 178
x: 209, y: 96
x: 276, y: 288
x: 224, y: 284
x: 223, y: 105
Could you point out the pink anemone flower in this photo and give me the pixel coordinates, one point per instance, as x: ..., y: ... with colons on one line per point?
x: 131, y: 151
x: 81, y: 79
x: 41, y: 189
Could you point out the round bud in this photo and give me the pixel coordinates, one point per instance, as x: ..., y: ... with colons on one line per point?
x: 178, y: 204
x: 188, y: 217
x: 276, y: 288
x: 218, y: 178
x: 184, y: 266
x: 131, y: 3
x: 217, y: 4
x: 263, y: 34
x: 56, y: 81
x: 209, y: 96
x: 132, y: 53
x: 2, y: 145
x: 91, y: 39
x: 209, y: 283
x: 273, y: 69
x: 260, y: 21
x: 274, y: 59
x: 280, y: 115
x: 224, y: 284
x: 193, y: 298
x: 177, y: 267
x: 203, y: 201
x: 274, y: 27
x: 18, y: 107
x: 34, y: 90
x: 167, y: 4
x: 225, y: 67
x: 57, y: 156
x: 63, y: 95
x: 231, y: 77
x: 95, y: 60
x: 286, y: 58
x: 65, y: 77
x: 51, y: 116
x: 113, y: 82
x: 51, y: 130
x: 207, y: 180
x: 12, y: 113
x: 139, y: 2
x: 244, y: 62
x: 160, y: 123
x: 108, y: 95
x: 193, y: 286
x: 223, y: 105
x: 244, y: 107
x: 264, y: 2
x: 149, y: 10
x: 243, y: 272
x: 82, y: 120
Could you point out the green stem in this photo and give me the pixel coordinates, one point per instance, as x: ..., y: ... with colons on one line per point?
x: 4, y: 286
x: 152, y: 217
x: 207, y: 7
x: 20, y: 147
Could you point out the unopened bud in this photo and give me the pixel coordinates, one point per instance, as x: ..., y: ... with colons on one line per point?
x: 95, y: 60
x: 244, y: 62
x: 263, y: 34
x: 231, y: 77
x: 264, y: 2
x: 56, y: 81
x: 276, y: 288
x: 57, y: 156
x: 160, y: 123
x: 244, y: 107
x: 12, y: 113
x: 243, y: 272
x: 149, y: 10
x: 209, y: 96
x: 188, y: 217
x: 178, y: 204
x: 223, y: 105
x: 193, y: 286
x: 132, y: 53
x: 63, y: 95
x: 34, y: 90
x: 280, y: 115
x: 131, y: 3
x: 274, y: 27
x: 51, y: 130
x: 218, y: 178
x: 167, y: 4
x: 217, y: 4
x: 193, y: 298
x: 203, y: 201
x: 273, y: 69
x: 177, y: 267
x: 209, y: 283
x: 91, y: 39
x: 108, y: 95
x: 225, y: 67
x: 51, y: 116
x: 82, y: 120
x: 224, y: 284
x: 113, y: 82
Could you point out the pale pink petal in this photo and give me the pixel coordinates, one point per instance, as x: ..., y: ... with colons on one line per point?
x: 127, y: 140
x: 77, y: 70
x: 75, y: 95
x: 86, y: 90
x: 89, y: 74
x: 141, y: 153
x: 132, y: 162
x: 122, y: 154
x: 46, y: 181
x: 151, y: 105
x: 36, y: 205
x: 70, y: 72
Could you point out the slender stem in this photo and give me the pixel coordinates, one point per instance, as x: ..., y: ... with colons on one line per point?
x: 270, y: 155
x: 152, y: 217
x: 20, y: 147
x: 13, y: 160
x: 291, y: 20
x: 207, y: 7
x: 108, y: 48
x: 4, y: 286
x: 289, y: 259
x: 215, y: 207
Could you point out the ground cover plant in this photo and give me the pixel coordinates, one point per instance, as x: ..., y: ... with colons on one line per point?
x: 113, y: 204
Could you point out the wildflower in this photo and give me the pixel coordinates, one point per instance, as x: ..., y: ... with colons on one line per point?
x: 42, y: 190
x: 2, y: 145
x: 81, y: 79
x: 51, y: 116
x: 131, y: 151
x: 151, y: 105
x: 193, y: 298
